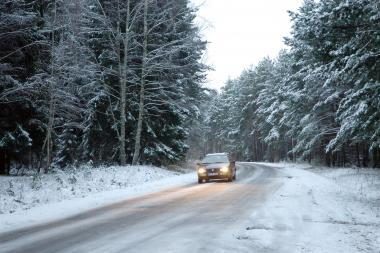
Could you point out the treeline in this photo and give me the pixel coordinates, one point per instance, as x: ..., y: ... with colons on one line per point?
x: 97, y: 80
x: 317, y: 101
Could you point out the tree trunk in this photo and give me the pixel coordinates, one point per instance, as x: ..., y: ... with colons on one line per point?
x: 357, y: 155
x: 48, y: 140
x: 123, y: 90
x: 328, y: 159
x: 136, y: 154
x: 376, y: 158
x: 344, y: 156
x: 365, y: 155
x: 4, y: 162
x: 293, y: 153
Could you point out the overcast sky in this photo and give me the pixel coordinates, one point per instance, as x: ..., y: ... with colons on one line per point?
x: 241, y: 32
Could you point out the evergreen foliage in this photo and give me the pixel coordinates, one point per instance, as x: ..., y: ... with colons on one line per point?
x: 319, y: 100
x: 61, y: 69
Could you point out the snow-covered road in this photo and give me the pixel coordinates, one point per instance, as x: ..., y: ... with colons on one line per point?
x: 188, y: 218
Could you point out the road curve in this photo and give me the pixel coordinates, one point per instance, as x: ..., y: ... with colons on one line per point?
x: 190, y: 218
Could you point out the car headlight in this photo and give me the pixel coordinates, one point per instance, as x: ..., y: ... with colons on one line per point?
x: 201, y: 170
x: 224, y: 169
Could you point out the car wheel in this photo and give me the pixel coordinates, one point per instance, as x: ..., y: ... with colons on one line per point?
x: 234, y: 177
x: 200, y: 180
x: 230, y: 179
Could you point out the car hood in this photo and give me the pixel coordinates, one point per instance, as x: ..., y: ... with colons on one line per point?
x: 215, y: 165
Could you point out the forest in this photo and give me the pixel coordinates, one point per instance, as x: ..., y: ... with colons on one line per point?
x: 97, y: 81
x: 123, y: 82
x: 317, y: 101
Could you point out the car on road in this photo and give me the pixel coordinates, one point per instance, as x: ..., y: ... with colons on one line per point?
x: 216, y: 166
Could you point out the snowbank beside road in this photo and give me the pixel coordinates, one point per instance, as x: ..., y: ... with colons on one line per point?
x: 319, y: 210
x: 30, y: 200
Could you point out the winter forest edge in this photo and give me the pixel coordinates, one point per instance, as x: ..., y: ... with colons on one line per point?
x: 108, y: 82
x: 318, y: 101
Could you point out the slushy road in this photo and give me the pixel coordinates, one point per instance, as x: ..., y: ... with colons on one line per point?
x: 189, y: 218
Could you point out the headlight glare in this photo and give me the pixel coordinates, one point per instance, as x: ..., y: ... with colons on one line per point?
x: 224, y: 169
x: 201, y: 170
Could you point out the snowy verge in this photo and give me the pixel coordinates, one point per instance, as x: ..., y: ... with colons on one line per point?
x: 318, y: 210
x: 30, y: 200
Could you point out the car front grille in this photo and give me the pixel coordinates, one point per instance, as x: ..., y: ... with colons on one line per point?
x: 213, y: 170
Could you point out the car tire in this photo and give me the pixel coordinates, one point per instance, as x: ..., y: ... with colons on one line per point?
x: 234, y: 177
x: 200, y: 180
x: 230, y: 178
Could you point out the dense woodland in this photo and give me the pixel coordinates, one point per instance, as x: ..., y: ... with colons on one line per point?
x: 318, y: 101
x: 120, y: 81
x: 97, y: 81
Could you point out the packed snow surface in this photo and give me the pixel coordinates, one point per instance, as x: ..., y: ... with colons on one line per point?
x: 319, y: 210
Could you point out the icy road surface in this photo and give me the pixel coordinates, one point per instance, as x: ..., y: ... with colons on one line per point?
x: 188, y: 218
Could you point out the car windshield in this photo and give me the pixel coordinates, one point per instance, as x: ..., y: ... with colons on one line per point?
x: 215, y: 159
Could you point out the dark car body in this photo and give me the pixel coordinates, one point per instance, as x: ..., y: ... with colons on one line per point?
x: 216, y: 166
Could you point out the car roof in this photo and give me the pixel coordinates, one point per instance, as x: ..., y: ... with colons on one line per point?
x: 217, y: 154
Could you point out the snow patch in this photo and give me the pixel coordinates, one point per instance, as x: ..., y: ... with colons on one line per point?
x: 30, y: 200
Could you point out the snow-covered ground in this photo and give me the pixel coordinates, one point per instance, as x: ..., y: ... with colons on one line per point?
x: 315, y: 209
x: 30, y: 200
x: 319, y: 210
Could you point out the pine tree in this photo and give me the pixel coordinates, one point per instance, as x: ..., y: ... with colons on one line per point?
x: 23, y: 49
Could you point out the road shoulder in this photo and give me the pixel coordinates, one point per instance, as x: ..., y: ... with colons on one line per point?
x: 58, y: 199
x: 313, y: 212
